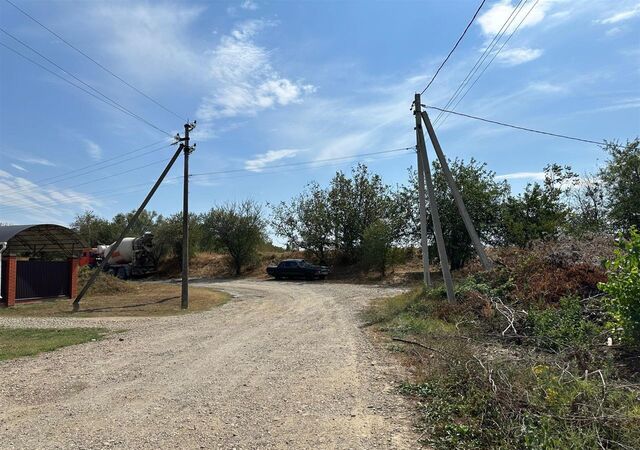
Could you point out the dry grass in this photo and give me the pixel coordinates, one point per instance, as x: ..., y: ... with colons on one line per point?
x: 219, y: 265
x: 141, y: 299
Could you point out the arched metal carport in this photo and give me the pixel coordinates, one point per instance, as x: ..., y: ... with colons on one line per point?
x: 39, y: 261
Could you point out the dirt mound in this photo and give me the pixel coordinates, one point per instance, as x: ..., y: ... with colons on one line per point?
x: 105, y: 284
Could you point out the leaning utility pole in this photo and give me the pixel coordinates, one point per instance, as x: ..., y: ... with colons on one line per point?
x: 130, y: 223
x: 486, y: 262
x: 185, y: 216
x: 433, y: 206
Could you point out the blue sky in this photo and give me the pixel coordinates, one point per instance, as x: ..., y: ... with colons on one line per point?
x: 273, y: 83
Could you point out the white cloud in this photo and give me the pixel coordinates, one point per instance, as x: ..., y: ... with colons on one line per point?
x: 515, y: 56
x: 621, y: 16
x: 41, y: 203
x: 614, y: 31
x: 249, y: 5
x: 522, y: 176
x: 148, y: 40
x: 16, y: 166
x: 93, y: 149
x: 35, y: 160
x: 495, y: 17
x: 262, y: 160
x: 546, y: 87
x: 629, y: 103
x: 233, y: 76
x: 243, y: 80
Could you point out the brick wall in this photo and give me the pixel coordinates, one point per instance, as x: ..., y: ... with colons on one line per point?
x: 73, y: 277
x: 9, y: 268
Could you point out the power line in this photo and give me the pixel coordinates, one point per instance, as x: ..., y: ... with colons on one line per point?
x: 454, y: 47
x: 80, y: 196
x: 485, y: 54
x: 308, y: 162
x: 311, y: 164
x: 494, y: 57
x: 106, y: 177
x: 79, y: 172
x: 517, y: 127
x: 108, y: 100
x: 94, y: 61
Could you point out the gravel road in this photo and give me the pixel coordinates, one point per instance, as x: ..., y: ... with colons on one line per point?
x: 282, y: 365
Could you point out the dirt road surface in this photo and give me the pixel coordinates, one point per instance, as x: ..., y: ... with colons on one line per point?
x: 282, y: 365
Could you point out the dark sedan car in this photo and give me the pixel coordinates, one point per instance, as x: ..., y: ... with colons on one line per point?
x: 297, y: 268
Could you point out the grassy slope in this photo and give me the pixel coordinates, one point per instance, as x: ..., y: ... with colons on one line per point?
x: 479, y: 388
x: 17, y: 342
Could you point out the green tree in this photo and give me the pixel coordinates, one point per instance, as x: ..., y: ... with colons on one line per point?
x: 377, y: 246
x: 167, y: 240
x: 621, y: 176
x: 355, y: 203
x: 483, y: 196
x: 305, y: 222
x: 146, y: 222
x: 285, y: 222
x: 587, y: 199
x: 539, y: 212
x: 239, y: 229
x: 314, y: 217
x: 94, y: 230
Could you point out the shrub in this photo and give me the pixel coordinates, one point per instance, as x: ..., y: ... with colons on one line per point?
x: 623, y: 287
x: 507, y: 404
x: 564, y: 326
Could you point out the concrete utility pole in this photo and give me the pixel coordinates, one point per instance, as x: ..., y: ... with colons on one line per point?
x: 185, y: 217
x: 423, y: 222
x: 486, y: 262
x: 132, y: 221
x: 433, y: 206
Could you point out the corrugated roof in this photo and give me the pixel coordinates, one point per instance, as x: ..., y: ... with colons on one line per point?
x: 41, y: 239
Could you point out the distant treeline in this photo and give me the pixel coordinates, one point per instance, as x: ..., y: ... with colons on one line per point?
x: 359, y: 218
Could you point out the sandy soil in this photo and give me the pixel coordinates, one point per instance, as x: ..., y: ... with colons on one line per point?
x: 282, y: 365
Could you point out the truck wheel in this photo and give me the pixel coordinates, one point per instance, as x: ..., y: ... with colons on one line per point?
x: 122, y: 273
x: 278, y: 277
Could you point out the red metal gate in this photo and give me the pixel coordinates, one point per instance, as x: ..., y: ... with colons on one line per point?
x: 42, y: 279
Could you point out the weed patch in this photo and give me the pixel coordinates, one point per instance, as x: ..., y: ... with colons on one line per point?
x: 510, y: 375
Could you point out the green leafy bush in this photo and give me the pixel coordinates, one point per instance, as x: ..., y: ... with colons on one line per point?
x: 623, y: 287
x: 564, y: 326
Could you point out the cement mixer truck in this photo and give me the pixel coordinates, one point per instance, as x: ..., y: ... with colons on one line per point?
x: 132, y: 259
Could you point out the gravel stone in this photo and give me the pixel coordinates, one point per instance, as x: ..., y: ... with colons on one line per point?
x: 281, y: 365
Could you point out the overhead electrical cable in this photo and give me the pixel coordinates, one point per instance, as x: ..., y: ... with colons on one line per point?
x: 454, y: 47
x: 395, y: 150
x: 91, y: 169
x: 95, y: 180
x: 106, y: 100
x: 494, y: 57
x: 110, y: 72
x: 76, y: 173
x: 485, y: 54
x: 517, y: 127
x: 248, y: 173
